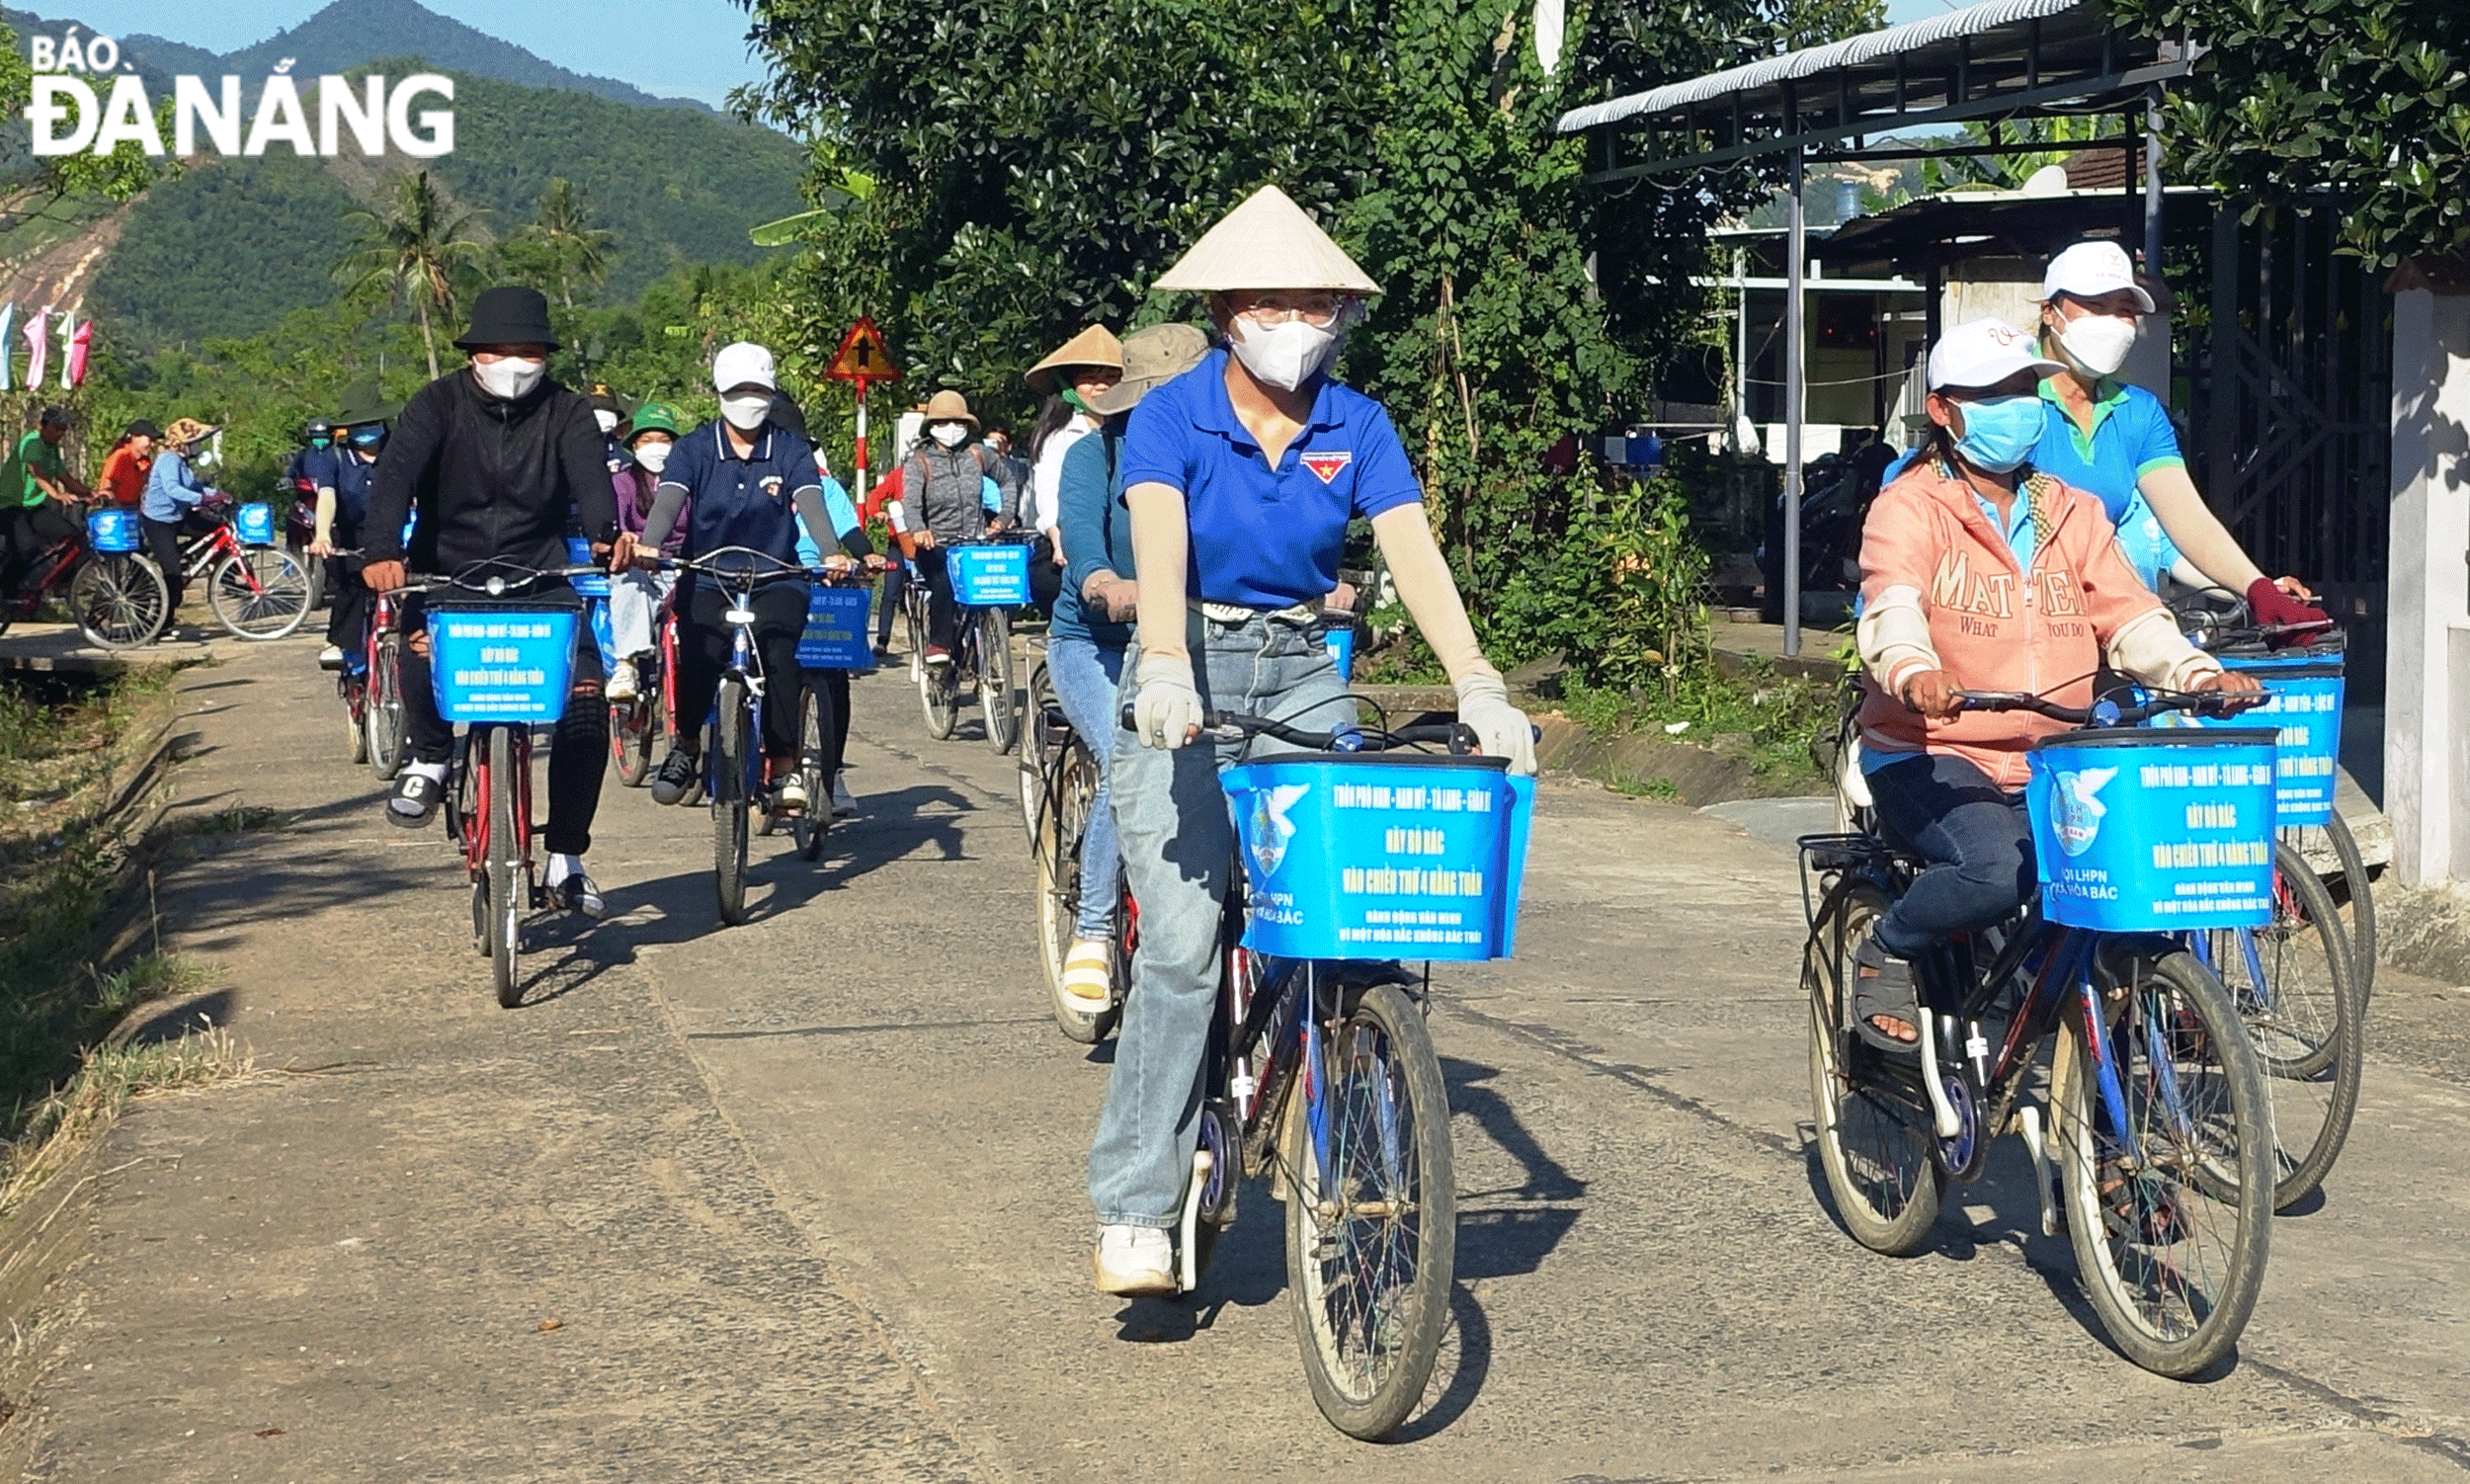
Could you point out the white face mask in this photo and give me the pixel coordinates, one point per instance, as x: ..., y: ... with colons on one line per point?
x: 605, y: 418
x: 1284, y: 356
x: 949, y: 435
x: 510, y: 376
x: 2097, y: 342
x: 651, y: 455
x: 746, y: 414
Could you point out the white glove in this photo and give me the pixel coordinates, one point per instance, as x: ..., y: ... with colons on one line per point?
x: 1167, y: 709
x: 1500, y: 729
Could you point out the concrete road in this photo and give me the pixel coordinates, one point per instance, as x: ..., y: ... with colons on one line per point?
x: 806, y: 1195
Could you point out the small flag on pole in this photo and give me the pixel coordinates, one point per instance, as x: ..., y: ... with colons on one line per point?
x: 78, y: 346
x: 38, y: 344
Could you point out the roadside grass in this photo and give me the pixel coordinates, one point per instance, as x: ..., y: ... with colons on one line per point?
x: 1775, y: 720
x: 68, y: 868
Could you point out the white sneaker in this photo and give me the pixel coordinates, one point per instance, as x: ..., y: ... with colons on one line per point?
x: 844, y: 802
x: 624, y: 682
x: 788, y: 795
x: 330, y: 657
x: 1135, y: 1261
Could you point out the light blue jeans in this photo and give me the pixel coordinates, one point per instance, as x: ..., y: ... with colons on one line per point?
x: 1179, y: 844
x: 1087, y: 677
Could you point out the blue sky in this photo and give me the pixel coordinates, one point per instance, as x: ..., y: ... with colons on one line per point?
x: 694, y: 48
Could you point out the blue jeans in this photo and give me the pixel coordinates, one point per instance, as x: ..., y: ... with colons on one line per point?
x: 1087, y: 677
x: 1978, y: 836
x: 1179, y: 844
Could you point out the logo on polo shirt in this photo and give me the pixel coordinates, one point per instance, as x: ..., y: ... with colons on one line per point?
x: 1327, y: 465
x: 771, y: 485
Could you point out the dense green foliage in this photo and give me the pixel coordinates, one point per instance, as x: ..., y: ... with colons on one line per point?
x: 239, y: 243
x: 2360, y: 107
x: 1040, y: 163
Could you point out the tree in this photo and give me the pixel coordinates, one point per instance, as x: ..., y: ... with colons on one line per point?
x: 36, y: 187
x: 422, y: 247
x: 2356, y: 107
x: 561, y: 245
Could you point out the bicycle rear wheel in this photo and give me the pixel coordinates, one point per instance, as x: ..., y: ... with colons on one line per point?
x: 1875, y: 1132
x: 388, y: 728
x: 995, y: 697
x: 1371, y: 1238
x: 810, y: 826
x: 731, y: 800
x: 2170, y: 1251
x: 506, y: 910
x: 259, y: 592
x: 355, y: 715
x: 1037, y: 749
x: 120, y: 601
x: 2305, y: 1020
x: 1064, y: 821
x: 2362, y: 907
x: 631, y: 739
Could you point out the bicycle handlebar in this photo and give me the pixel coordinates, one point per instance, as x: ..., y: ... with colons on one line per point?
x: 741, y: 566
x: 2109, y: 712
x: 1232, y: 726
x: 507, y: 578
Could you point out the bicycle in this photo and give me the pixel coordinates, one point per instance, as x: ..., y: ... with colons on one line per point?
x: 990, y: 577
x: 2161, y: 1128
x: 115, y: 596
x: 637, y: 723
x: 256, y: 589
x: 1320, y: 1071
x: 499, y: 669
x: 1058, y: 779
x: 372, y: 688
x: 834, y: 642
x: 733, y: 762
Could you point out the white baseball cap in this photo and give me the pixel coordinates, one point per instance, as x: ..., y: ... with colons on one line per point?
x: 1984, y: 353
x: 742, y: 362
x: 2089, y: 270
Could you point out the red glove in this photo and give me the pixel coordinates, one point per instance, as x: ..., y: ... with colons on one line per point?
x: 2275, y: 609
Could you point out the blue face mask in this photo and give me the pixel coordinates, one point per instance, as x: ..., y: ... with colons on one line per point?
x: 367, y: 439
x: 2000, y: 432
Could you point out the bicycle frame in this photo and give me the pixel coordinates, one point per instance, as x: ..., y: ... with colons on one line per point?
x: 68, y: 554
x: 200, y: 554
x: 746, y: 665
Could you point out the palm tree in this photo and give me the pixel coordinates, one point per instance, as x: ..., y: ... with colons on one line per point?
x: 561, y: 229
x: 421, y: 247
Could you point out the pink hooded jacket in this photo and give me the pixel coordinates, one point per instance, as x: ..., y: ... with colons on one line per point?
x: 1940, y: 590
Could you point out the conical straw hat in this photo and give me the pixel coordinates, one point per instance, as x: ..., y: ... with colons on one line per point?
x: 1095, y: 346
x: 1268, y: 242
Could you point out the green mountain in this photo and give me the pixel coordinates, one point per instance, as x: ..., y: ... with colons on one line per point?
x: 351, y: 34
x: 233, y: 245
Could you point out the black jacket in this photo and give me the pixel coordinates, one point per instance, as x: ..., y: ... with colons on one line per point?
x: 490, y: 478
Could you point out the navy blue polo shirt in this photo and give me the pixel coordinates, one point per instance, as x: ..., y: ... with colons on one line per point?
x: 749, y: 502
x: 314, y: 469
x: 1265, y: 538
x: 350, y: 476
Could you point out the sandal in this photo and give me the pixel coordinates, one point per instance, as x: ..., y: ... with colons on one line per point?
x: 418, y: 791
x: 1089, y: 976
x: 1882, y: 985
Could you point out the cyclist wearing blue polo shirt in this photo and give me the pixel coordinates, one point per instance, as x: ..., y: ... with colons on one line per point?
x: 1240, y: 477
x: 750, y: 481
x: 2115, y: 441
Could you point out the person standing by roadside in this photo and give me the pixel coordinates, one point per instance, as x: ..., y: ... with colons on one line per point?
x: 169, y: 509
x: 40, y: 495
x: 127, y: 465
x: 1078, y: 370
x: 497, y: 458
x: 942, y: 489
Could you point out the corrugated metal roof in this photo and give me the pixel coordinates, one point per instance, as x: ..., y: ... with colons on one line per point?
x: 1911, y: 35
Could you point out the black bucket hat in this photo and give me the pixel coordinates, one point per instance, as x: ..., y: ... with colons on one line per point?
x: 509, y: 315
x: 361, y: 404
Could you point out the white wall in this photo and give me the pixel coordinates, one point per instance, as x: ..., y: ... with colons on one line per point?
x: 2427, y: 739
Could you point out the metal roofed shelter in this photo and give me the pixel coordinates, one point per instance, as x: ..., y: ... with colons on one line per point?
x: 1847, y: 100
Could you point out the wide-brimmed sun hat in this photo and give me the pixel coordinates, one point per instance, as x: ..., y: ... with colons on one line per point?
x: 1268, y: 242
x: 185, y: 431
x: 950, y: 406
x: 1151, y: 359
x: 1095, y: 346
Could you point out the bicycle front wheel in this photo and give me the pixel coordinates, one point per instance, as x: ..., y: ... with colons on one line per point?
x: 356, y: 716
x: 939, y: 692
x: 732, y: 799
x: 388, y: 728
x: 1037, y: 753
x: 811, y: 825
x: 995, y: 699
x: 1875, y: 1132
x: 1372, y: 1218
x: 259, y: 592
x: 120, y: 601
x: 2171, y: 1219
x: 2290, y: 980
x: 506, y: 909
x: 1064, y: 821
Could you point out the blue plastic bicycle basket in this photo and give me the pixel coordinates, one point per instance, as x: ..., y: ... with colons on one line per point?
x: 579, y: 553
x: 836, y: 629
x: 501, y: 663
x: 2306, y: 687
x: 254, y: 523
x: 2153, y: 829
x: 114, y: 531
x: 1381, y: 856
x: 991, y: 576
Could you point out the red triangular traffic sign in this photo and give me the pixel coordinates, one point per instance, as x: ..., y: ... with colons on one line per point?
x: 862, y: 355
